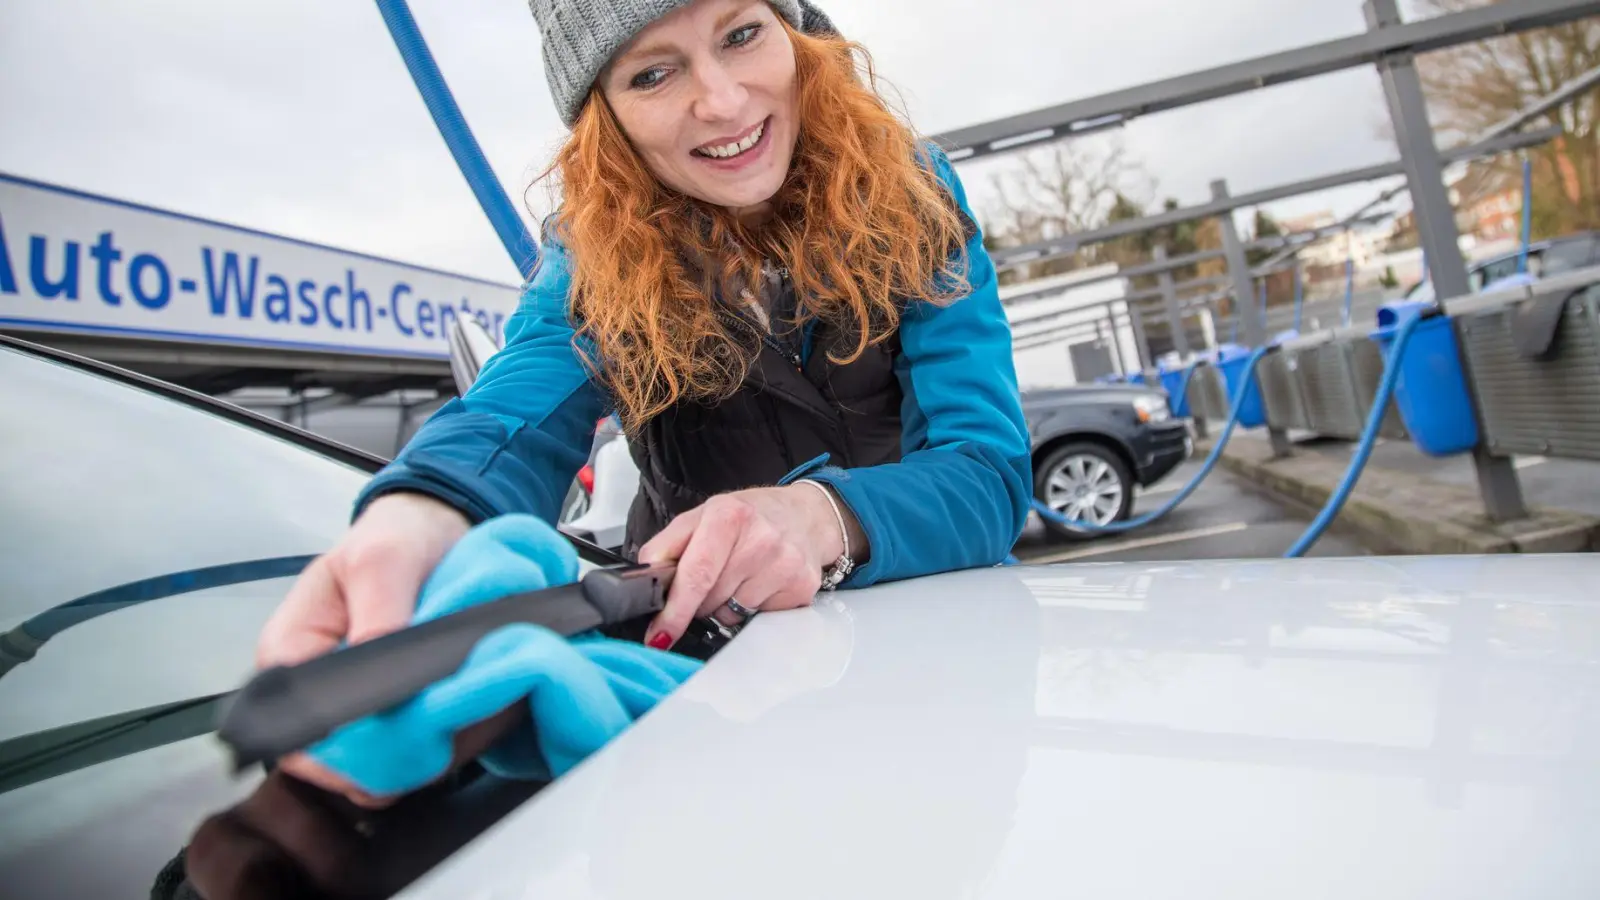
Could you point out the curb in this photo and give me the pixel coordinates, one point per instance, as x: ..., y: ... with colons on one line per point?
x: 1404, y: 514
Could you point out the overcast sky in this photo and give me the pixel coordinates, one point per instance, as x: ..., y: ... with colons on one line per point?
x: 298, y: 117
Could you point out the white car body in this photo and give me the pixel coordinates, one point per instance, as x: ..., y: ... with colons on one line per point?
x: 1344, y: 728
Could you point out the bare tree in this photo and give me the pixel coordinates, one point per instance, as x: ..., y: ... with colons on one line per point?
x: 1067, y: 188
x: 1472, y: 86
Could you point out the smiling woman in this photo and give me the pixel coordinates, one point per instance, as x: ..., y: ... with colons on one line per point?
x: 779, y: 289
x: 707, y: 103
x: 710, y: 102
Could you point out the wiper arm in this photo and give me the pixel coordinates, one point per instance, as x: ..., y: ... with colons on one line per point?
x: 21, y: 643
x: 57, y: 751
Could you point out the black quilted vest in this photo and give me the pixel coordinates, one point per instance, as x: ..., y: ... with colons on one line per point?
x: 782, y: 416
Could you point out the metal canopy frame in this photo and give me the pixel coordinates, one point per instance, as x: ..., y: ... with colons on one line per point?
x: 1372, y: 47
x: 1220, y: 206
x: 1213, y: 281
x: 1390, y: 45
x: 1509, y: 125
x: 1100, y: 309
x: 1494, y: 138
x: 1150, y: 268
x: 1132, y: 307
x: 1539, y: 107
x: 1013, y: 258
x: 1164, y: 265
x: 1055, y: 334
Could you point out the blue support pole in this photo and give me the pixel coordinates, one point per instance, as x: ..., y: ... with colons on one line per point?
x: 1349, y: 287
x: 458, y: 137
x: 1299, y: 296
x: 1527, y: 214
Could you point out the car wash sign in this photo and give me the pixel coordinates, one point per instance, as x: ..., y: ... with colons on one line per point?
x: 71, y: 261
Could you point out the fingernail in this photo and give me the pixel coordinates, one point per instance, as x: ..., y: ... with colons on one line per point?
x: 661, y: 641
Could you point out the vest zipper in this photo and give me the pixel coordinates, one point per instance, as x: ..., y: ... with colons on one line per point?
x: 766, y: 338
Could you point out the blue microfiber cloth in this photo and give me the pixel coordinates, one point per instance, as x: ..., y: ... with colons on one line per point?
x: 583, y: 691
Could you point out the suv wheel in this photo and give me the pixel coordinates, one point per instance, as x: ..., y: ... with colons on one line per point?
x: 1085, y: 482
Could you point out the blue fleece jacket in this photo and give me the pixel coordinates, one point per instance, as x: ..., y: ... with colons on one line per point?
x: 957, y: 499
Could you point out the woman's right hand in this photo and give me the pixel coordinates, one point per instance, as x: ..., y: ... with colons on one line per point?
x: 365, y: 587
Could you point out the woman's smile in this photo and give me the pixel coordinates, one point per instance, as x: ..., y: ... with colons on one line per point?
x: 727, y: 148
x: 738, y: 153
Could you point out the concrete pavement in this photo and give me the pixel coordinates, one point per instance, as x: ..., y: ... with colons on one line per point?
x: 1403, y: 508
x: 1558, y: 483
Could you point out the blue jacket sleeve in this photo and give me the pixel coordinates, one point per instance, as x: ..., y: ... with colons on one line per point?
x: 959, y: 497
x: 516, y: 439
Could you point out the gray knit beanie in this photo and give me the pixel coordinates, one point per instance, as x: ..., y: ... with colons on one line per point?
x: 580, y: 37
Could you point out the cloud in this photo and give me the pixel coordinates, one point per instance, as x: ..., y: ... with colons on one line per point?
x: 297, y: 116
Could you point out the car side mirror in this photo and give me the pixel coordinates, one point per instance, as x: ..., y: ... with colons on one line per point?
x: 471, y: 346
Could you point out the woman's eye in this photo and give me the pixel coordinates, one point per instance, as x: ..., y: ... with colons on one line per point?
x: 744, y: 35
x: 649, y: 78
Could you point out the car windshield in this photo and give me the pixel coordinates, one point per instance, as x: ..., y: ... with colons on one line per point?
x: 120, y: 501
x: 146, y: 540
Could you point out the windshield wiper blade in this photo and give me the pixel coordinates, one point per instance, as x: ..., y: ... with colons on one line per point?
x: 287, y: 708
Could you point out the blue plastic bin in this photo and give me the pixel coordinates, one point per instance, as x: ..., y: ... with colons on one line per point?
x: 1232, y: 363
x: 1432, y: 389
x: 1172, y: 382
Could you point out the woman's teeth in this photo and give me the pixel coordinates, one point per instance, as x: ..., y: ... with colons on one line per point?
x: 728, y: 151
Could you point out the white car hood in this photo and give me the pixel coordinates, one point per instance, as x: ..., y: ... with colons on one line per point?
x: 1362, y: 728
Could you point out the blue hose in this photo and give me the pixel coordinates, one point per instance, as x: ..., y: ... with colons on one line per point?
x: 458, y: 137
x: 1076, y: 525
x: 1369, y: 436
x: 1349, y: 288
x: 1527, y: 215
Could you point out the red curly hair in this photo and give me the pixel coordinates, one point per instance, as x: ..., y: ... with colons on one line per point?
x: 862, y: 222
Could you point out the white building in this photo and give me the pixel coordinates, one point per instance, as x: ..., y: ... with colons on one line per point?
x: 1076, y: 303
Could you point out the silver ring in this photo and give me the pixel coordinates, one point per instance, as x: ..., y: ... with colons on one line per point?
x: 740, y: 609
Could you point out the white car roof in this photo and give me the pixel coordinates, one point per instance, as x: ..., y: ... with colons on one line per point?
x: 1350, y: 728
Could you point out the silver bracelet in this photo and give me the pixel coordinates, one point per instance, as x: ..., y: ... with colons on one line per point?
x: 842, y: 567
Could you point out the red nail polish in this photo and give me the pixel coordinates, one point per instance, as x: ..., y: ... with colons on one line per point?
x: 661, y: 641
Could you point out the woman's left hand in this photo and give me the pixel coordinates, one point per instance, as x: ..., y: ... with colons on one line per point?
x: 764, y: 547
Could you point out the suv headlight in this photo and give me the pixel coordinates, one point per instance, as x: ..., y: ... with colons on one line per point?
x: 1151, y: 408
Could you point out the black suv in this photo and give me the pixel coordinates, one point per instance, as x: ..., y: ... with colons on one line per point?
x: 1092, y: 444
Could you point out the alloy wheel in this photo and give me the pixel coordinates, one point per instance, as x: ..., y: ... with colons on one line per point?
x: 1085, y: 488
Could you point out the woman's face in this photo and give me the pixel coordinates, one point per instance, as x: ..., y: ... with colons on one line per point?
x: 707, y: 95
